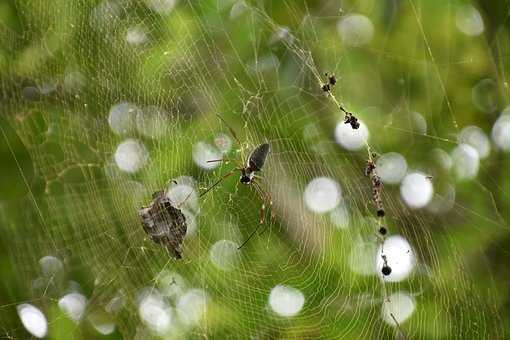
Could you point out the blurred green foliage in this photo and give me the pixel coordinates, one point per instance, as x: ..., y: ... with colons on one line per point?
x: 59, y: 197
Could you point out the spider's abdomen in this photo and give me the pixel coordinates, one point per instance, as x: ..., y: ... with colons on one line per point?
x: 258, y: 157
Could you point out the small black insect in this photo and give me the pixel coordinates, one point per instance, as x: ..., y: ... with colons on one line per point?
x: 386, y: 270
x: 326, y: 87
x: 349, y: 116
x: 332, y: 79
x: 164, y: 223
x: 254, y: 163
x: 350, y: 119
x: 383, y: 231
x: 370, y: 166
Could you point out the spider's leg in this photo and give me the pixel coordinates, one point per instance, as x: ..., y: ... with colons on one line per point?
x: 239, y: 164
x: 267, y: 195
x: 263, y: 196
x: 168, y: 184
x: 259, y: 191
x: 249, y: 237
x: 262, y: 217
x: 184, y: 201
x: 228, y: 174
x: 218, y: 160
x: 232, y: 132
x: 269, y: 203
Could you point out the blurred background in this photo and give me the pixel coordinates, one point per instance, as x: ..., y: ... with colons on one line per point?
x: 103, y: 103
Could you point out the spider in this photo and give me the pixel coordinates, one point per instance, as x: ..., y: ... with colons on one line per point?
x: 164, y: 222
x: 248, y: 169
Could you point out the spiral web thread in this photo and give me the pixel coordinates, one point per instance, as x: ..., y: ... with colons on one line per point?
x: 82, y: 209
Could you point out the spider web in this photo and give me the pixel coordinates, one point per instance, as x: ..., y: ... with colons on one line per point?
x: 261, y: 69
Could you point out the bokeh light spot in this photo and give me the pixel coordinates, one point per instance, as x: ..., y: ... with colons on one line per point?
x: 469, y: 21
x: 122, y: 118
x: 391, y: 167
x: 465, y: 161
x: 73, y: 305
x: 286, y: 301
x: 192, y: 306
x: 416, y: 190
x: 131, y: 155
x: 33, y: 320
x: 399, y: 256
x: 355, y: 30
x: 224, y: 255
x: 203, y: 152
x: 475, y: 137
x: 349, y: 138
x: 322, y: 194
x: 400, y: 306
x: 501, y: 131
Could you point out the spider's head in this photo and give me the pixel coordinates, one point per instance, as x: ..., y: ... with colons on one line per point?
x: 246, y: 176
x: 245, y: 179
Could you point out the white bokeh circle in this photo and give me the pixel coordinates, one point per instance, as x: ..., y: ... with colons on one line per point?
x: 476, y: 137
x: 33, y: 320
x: 391, y: 167
x: 416, y: 190
x: 501, y: 131
x: 322, y: 194
x: 286, y: 301
x: 399, y: 257
x: 349, y: 138
x: 398, y: 306
x: 204, y: 152
x: 355, y: 30
x: 466, y: 161
x: 469, y: 21
x: 225, y: 255
x: 73, y: 305
x: 131, y: 155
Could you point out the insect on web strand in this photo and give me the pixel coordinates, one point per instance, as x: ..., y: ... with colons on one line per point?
x: 248, y: 318
x: 376, y: 188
